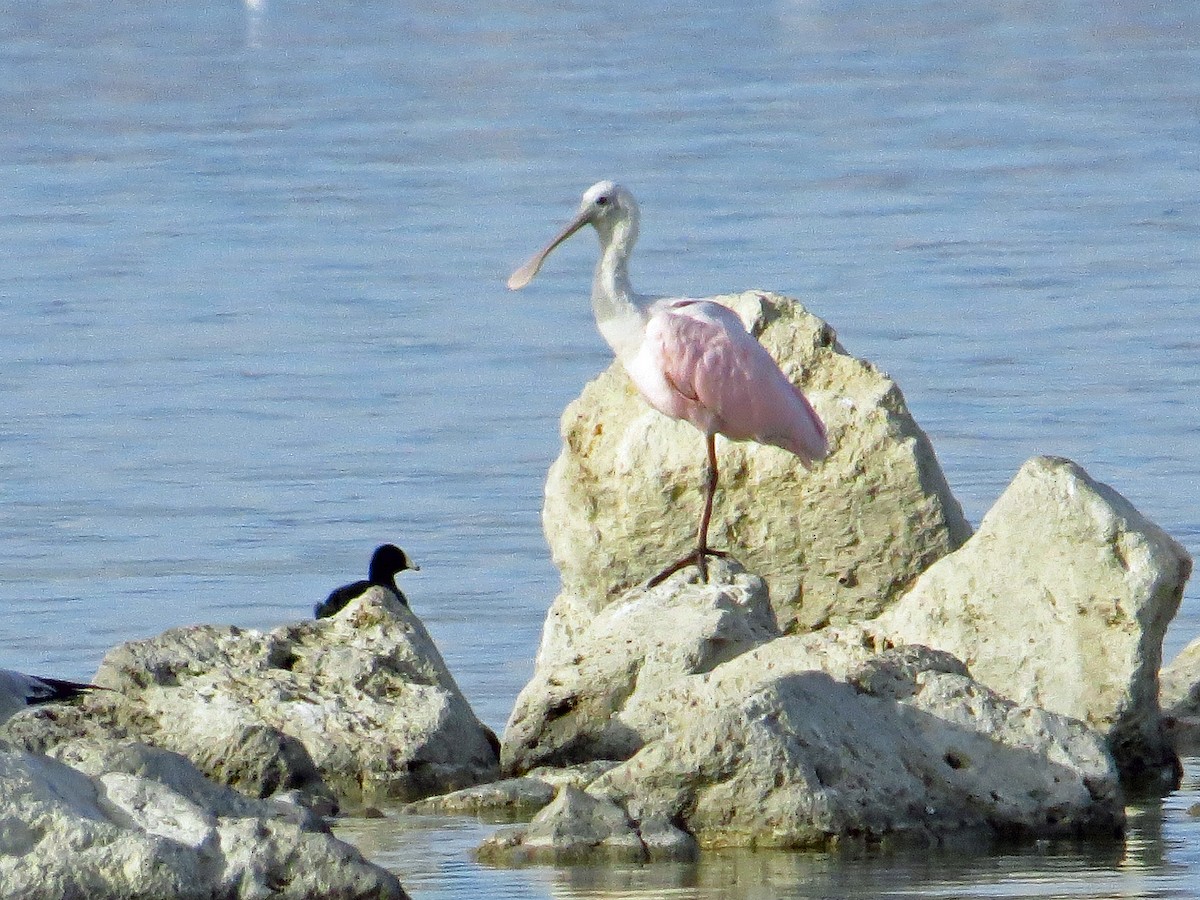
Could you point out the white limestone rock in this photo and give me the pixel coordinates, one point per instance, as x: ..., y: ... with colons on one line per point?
x: 794, y: 741
x: 1060, y: 600
x: 359, y: 706
x: 835, y: 737
x: 144, y: 824
x: 836, y: 544
x: 1180, y: 685
x: 907, y: 748
x: 573, y: 709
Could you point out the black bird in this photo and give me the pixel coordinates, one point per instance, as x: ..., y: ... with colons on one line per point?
x: 18, y: 691
x: 386, y: 562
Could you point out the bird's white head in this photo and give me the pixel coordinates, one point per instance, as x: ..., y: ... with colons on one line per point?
x: 606, y: 206
x: 606, y: 202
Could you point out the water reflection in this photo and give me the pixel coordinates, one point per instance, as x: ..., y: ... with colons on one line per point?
x: 256, y: 12
x: 753, y: 875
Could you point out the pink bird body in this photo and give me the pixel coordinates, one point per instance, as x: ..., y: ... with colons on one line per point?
x: 698, y: 363
x: 690, y: 359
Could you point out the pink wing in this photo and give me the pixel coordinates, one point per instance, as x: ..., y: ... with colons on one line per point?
x: 698, y: 363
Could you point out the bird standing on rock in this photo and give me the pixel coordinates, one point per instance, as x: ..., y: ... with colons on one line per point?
x: 386, y: 562
x: 19, y: 691
x: 690, y: 359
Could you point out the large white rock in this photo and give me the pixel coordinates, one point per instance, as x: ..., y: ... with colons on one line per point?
x: 1060, y: 600
x: 143, y: 824
x: 774, y: 752
x: 815, y: 740
x: 836, y: 544
x: 360, y: 704
x: 573, y: 709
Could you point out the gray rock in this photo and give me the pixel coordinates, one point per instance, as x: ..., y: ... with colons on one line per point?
x: 359, y: 705
x: 144, y: 823
x: 663, y: 840
x: 836, y: 544
x: 511, y: 798
x: 515, y: 797
x: 579, y: 828
x: 1060, y: 600
x: 574, y: 828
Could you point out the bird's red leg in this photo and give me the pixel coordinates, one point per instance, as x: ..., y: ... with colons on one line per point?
x: 702, y: 548
x: 703, y: 551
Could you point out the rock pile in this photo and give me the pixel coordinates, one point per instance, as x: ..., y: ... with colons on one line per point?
x: 736, y: 735
x: 353, y: 709
x: 904, y: 681
x: 140, y: 823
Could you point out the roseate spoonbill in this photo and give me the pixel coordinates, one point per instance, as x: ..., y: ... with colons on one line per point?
x: 19, y: 691
x: 690, y: 359
x: 386, y: 562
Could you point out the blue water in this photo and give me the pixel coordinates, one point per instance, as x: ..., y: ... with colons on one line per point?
x: 254, y: 323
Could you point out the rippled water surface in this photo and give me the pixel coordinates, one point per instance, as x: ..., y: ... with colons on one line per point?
x: 254, y: 323
x: 1159, y: 858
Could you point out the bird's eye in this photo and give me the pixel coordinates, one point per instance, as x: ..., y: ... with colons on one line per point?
x: 602, y: 200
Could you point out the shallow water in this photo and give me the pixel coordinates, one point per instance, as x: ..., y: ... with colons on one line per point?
x: 252, y: 291
x: 1158, y: 858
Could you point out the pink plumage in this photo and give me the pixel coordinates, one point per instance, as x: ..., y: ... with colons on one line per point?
x: 698, y: 363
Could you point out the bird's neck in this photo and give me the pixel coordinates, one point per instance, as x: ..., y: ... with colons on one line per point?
x: 619, y: 310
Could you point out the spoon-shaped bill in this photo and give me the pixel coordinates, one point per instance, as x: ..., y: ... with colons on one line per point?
x: 524, y: 275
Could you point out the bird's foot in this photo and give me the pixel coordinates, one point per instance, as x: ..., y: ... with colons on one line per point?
x: 698, y: 558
